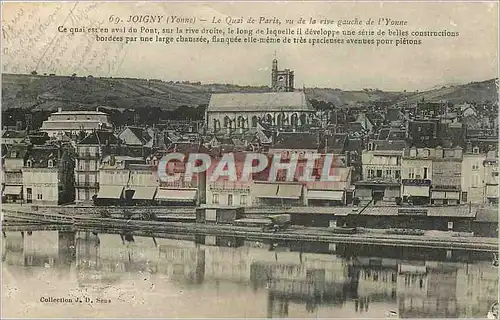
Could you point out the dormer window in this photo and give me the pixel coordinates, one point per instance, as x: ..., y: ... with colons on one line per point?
x: 148, y: 160
x: 13, y: 154
x: 29, y: 163
x: 475, y: 150
x: 425, y: 153
x: 50, y: 163
x: 370, y: 146
x: 413, y: 152
x: 155, y: 161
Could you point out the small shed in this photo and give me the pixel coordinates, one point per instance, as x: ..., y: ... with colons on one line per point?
x: 219, y: 214
x: 486, y: 223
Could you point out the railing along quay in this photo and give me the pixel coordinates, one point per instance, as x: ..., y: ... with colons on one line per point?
x: 466, y: 243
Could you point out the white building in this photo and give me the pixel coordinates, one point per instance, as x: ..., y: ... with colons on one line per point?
x: 74, y: 122
x: 480, y: 177
x: 491, y: 177
x: 90, y: 151
x: 47, y: 176
x: 473, y: 177
x: 416, y: 173
x: 381, y: 165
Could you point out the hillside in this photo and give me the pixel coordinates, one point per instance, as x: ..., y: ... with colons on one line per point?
x: 474, y: 92
x: 50, y: 92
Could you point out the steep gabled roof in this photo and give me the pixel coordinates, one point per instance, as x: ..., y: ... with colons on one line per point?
x: 296, y: 140
x: 99, y: 138
x: 141, y: 134
x: 262, y: 102
x: 336, y: 143
x: 17, y: 151
x: 40, y: 156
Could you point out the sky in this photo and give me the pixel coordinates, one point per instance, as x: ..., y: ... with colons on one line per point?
x: 31, y: 41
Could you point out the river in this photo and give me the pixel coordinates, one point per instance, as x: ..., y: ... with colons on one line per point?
x: 56, y: 274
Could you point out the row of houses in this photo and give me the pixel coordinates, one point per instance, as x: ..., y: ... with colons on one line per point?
x: 101, y: 167
x: 390, y: 171
x: 441, y: 176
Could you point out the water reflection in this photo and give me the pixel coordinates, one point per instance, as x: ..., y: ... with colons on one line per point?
x: 234, y: 277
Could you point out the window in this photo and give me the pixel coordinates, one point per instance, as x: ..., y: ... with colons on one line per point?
x: 29, y: 163
x: 215, y: 198
x: 229, y: 199
x: 411, y: 173
x: 216, y: 124
x: 397, y: 174
x: 450, y: 225
x: 379, y: 173
x: 425, y: 153
x: 370, y: 146
x: 475, y: 180
x: 254, y: 122
x: 243, y: 199
x: 475, y: 150
x: 413, y: 152
x: 29, y: 195
x: 39, y: 196
x: 388, y: 173
x: 464, y: 196
x: 50, y: 163
x: 371, y: 173
x: 494, y: 174
x: 425, y: 173
x: 475, y: 166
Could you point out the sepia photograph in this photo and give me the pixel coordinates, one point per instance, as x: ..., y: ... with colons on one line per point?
x: 250, y: 159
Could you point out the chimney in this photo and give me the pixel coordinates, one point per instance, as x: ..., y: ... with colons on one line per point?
x: 59, y: 109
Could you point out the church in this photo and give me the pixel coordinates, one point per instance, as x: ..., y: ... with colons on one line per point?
x: 283, y: 107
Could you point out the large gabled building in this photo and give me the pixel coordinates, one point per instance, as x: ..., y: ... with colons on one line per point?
x: 237, y: 112
x: 282, y: 108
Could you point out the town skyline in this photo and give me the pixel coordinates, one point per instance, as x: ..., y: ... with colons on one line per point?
x: 297, y: 87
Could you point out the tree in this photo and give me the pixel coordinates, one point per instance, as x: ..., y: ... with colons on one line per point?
x: 34, y: 72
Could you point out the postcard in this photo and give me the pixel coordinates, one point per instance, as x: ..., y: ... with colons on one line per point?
x: 250, y: 159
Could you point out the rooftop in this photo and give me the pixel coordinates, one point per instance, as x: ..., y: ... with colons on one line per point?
x: 296, y: 140
x: 99, y: 138
x: 79, y: 112
x: 388, y: 145
x: 14, y: 134
x: 252, y: 102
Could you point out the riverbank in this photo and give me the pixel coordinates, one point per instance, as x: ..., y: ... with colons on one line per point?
x: 28, y: 219
x: 295, y: 233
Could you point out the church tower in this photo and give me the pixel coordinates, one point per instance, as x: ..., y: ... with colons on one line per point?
x: 281, y: 80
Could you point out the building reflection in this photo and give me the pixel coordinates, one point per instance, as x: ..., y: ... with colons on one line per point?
x: 296, y: 278
x: 427, y: 291
x: 113, y: 255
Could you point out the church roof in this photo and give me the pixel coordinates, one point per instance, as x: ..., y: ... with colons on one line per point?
x: 259, y: 102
